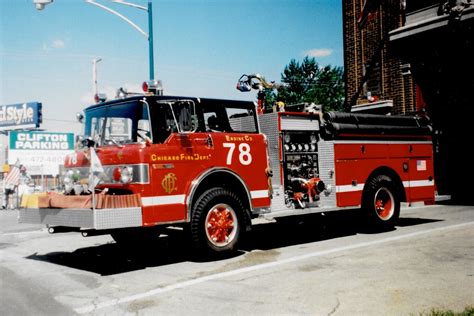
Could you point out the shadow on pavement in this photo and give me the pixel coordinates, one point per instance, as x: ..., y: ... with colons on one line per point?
x: 317, y: 227
x: 112, y: 258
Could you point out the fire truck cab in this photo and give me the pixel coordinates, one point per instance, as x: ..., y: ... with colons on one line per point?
x: 211, y: 166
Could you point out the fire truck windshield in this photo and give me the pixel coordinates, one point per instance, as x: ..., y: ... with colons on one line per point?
x: 117, y: 124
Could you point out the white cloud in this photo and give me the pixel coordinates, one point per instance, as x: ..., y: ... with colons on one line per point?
x: 318, y: 52
x: 57, y: 43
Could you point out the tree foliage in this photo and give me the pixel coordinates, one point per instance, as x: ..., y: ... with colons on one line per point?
x: 309, y: 83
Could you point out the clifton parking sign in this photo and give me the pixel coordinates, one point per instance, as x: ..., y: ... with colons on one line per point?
x: 41, y: 141
x: 40, y: 152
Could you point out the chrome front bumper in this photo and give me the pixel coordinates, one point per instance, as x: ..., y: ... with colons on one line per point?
x: 83, y: 218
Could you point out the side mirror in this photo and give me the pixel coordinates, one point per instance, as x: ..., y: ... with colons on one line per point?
x: 80, y: 117
x: 84, y: 142
x: 88, y: 142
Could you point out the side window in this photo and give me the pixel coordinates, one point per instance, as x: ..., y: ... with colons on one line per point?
x: 231, y: 117
x: 185, y: 114
x: 241, y: 120
x: 95, y: 128
x: 212, y: 122
x: 162, y: 122
x: 215, y: 118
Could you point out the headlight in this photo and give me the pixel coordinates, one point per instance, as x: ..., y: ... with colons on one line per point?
x: 122, y: 174
x: 78, y: 189
x: 68, y: 188
x: 68, y: 181
x: 126, y: 176
x: 68, y: 177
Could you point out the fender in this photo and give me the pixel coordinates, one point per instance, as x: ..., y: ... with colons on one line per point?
x: 199, y: 180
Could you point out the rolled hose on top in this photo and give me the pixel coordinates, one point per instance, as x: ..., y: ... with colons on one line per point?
x: 336, y: 123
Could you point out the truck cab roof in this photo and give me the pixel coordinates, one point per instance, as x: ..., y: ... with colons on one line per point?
x: 232, y: 103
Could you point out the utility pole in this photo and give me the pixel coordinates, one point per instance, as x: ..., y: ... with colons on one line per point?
x: 150, y: 41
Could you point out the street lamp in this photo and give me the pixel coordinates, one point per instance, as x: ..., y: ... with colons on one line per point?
x: 40, y: 4
x: 94, y: 74
x: 149, y: 36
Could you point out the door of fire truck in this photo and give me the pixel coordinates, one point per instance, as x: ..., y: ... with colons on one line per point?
x: 178, y: 154
x: 234, y: 178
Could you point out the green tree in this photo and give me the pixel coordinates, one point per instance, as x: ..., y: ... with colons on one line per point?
x: 308, y: 82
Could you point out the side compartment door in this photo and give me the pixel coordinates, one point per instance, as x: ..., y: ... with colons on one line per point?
x: 246, y: 156
x: 420, y: 172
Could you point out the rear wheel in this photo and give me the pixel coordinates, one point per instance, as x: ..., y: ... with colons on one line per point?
x: 381, y: 201
x: 216, y: 221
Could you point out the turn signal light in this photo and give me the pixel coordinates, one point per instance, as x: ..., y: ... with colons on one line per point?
x: 117, y: 174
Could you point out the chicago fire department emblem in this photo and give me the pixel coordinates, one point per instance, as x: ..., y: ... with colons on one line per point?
x: 169, y: 183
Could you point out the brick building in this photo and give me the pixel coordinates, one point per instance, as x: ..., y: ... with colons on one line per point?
x: 374, y: 75
x: 417, y: 54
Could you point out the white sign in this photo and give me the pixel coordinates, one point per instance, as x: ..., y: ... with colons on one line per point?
x: 41, y: 153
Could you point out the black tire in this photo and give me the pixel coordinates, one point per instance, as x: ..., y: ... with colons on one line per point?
x: 381, y: 202
x: 216, y: 222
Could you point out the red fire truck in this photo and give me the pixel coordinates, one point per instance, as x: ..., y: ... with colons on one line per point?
x: 211, y: 166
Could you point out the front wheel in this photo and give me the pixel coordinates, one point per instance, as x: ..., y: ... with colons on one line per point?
x: 381, y: 202
x: 216, y: 221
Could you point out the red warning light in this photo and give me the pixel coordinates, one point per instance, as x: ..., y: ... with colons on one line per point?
x: 145, y: 86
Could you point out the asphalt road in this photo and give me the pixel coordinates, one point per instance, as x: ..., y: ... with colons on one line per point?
x: 316, y: 265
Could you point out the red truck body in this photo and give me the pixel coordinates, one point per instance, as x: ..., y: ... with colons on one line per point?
x: 214, y: 178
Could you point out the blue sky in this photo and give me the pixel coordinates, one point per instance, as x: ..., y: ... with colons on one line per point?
x: 202, y: 47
